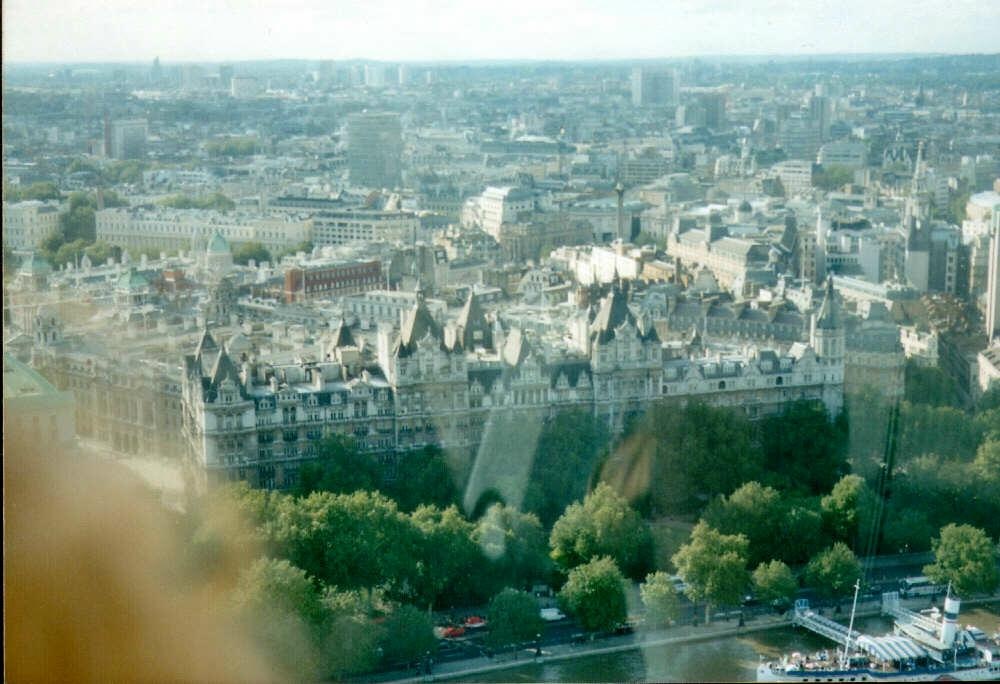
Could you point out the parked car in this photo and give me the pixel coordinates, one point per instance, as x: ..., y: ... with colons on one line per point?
x: 552, y: 614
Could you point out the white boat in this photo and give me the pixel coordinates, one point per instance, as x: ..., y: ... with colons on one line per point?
x: 921, y: 648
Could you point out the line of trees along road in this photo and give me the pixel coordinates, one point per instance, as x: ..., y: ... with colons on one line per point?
x: 349, y: 553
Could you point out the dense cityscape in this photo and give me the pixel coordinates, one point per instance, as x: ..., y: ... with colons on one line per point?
x: 419, y: 366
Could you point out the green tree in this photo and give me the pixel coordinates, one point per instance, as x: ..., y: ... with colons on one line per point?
x: 714, y: 566
x: 216, y: 201
x: 603, y: 525
x: 79, y: 223
x: 671, y: 457
x: 801, y: 534
x: 231, y: 147
x: 907, y: 530
x: 834, y: 571
x: 775, y: 583
x: 987, y: 461
x: 965, y: 557
x: 803, y: 449
x: 347, y: 540
x: 594, y: 594
x: 101, y: 251
x: 444, y: 555
x: 283, y: 613
x: 42, y: 190
x: 923, y: 385
x: 513, y: 618
x: 351, y: 638
x: 990, y: 399
x: 832, y: 177
x: 942, y: 430
x: 424, y: 477
x: 566, y: 457
x: 659, y: 597
x: 339, y: 467
x: 515, y: 546
x: 251, y: 250
x: 756, y: 512
x: 848, y: 510
x: 408, y: 635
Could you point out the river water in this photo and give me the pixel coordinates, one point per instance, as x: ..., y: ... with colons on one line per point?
x: 726, y: 660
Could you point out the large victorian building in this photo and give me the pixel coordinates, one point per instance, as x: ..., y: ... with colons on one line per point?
x: 447, y: 384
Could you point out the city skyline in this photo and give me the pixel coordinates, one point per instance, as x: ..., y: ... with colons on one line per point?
x: 453, y: 31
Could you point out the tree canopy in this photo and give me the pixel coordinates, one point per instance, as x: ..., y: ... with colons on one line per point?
x: 340, y: 467
x: 756, y: 512
x: 848, y: 511
x: 602, y: 525
x: 424, y: 477
x: 803, y: 450
x: 672, y: 455
x: 659, y: 597
x: 217, y: 201
x: 714, y: 566
x: 965, y: 557
x: 566, y: 457
x: 834, y: 571
x: 774, y: 582
x: 283, y: 613
x: 594, y: 593
x: 251, y: 251
x: 408, y: 634
x: 513, y: 618
x: 515, y: 546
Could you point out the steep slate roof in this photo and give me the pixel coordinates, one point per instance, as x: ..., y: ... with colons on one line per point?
x: 418, y: 323
x: 472, y: 319
x: 342, y: 336
x: 612, y: 313
x: 224, y: 369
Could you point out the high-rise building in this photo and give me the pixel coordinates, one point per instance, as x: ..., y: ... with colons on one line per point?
x: 375, y: 75
x: 375, y: 149
x: 653, y: 87
x: 128, y: 138
x: 714, y: 104
x: 225, y: 76
x: 993, y: 280
x: 821, y: 114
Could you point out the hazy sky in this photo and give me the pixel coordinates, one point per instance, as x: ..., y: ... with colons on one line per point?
x: 397, y: 30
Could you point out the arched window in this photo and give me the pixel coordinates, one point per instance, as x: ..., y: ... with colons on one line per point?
x: 779, y: 381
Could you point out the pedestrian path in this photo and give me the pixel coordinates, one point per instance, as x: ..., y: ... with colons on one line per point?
x: 463, y: 669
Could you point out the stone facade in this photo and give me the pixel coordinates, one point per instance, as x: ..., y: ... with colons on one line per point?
x: 429, y: 383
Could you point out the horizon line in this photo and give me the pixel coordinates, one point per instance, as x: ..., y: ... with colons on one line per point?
x: 509, y: 60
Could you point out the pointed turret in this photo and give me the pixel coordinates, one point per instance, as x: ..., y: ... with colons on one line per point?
x: 827, y: 337
x: 829, y: 311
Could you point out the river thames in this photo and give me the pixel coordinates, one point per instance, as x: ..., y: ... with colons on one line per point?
x: 724, y: 660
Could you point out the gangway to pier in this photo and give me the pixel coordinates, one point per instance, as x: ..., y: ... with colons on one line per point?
x: 813, y: 621
x: 904, y: 616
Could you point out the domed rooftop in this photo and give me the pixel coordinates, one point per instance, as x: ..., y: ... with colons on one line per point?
x: 217, y: 244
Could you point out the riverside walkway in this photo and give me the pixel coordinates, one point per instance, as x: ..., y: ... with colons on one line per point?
x: 678, y: 634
